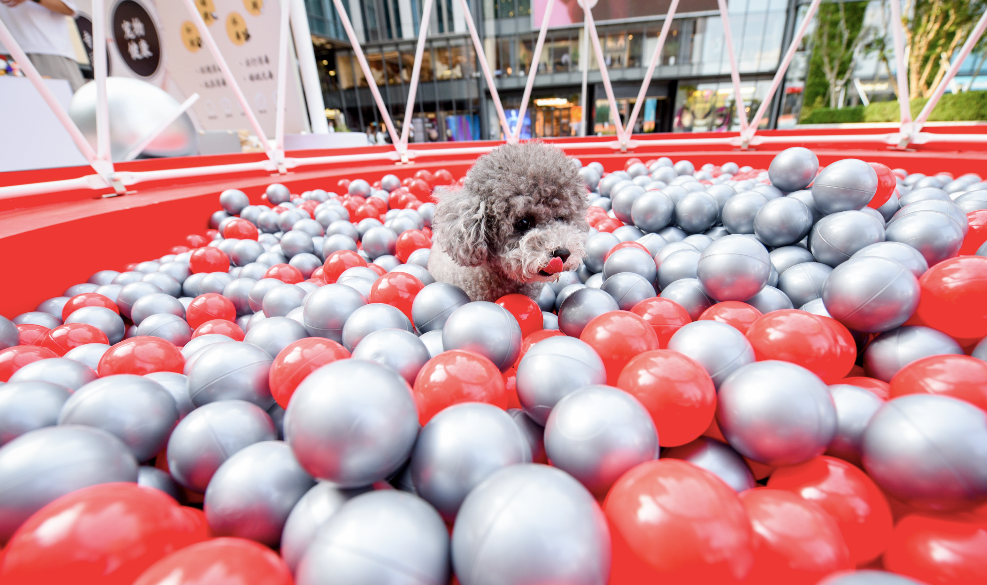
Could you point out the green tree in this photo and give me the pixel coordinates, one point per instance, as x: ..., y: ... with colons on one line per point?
x: 838, y: 37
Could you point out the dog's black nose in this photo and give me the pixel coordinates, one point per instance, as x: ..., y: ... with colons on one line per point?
x: 562, y: 253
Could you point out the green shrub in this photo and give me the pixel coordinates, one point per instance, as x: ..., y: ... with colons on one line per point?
x: 968, y: 106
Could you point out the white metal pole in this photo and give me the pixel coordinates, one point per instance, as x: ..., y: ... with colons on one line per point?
x: 284, y: 34
x: 738, y: 98
x: 614, y: 114
x: 968, y: 46
x: 99, y: 75
x: 486, y: 70
x: 904, y: 100
x: 780, y: 74
x: 210, y: 43
x: 415, y: 73
x: 367, y: 74
x: 655, y: 59
x: 860, y: 91
x: 533, y: 68
x: 307, y: 68
x: 147, y: 140
x: 584, y: 64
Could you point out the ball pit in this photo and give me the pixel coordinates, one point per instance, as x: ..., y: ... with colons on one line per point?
x: 785, y: 336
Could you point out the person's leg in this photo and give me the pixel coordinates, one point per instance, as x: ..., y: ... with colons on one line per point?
x: 58, y: 67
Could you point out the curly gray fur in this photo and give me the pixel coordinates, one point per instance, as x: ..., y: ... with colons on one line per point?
x: 476, y: 246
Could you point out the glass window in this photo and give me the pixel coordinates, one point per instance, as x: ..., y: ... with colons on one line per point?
x: 562, y: 55
x: 669, y: 52
x: 523, y: 8
x: 344, y: 69
x: 773, y: 37
x: 392, y: 66
x: 615, y: 50
x: 749, y: 46
x: 443, y: 63
x: 545, y: 59
x: 525, y: 52
x: 460, y: 65
x: 504, y: 57
x: 504, y: 8
x: 360, y: 80
x: 376, y: 61
x: 635, y: 49
x: 713, y: 47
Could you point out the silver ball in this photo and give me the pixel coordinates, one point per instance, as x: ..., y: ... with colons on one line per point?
x: 623, y: 201
x: 233, y: 201
x: 782, y: 222
x: 171, y: 328
x: 379, y: 241
x: 252, y: 493
x: 839, y: 236
x: 280, y: 300
x: 459, y: 448
x: 891, y: 351
x: 28, y: 406
x: 360, y: 188
x: 419, y: 257
x: 770, y: 299
x: 628, y: 233
x: 177, y: 270
x: 154, y: 478
x: 739, y: 211
x: 296, y: 242
x: 503, y: 525
x: 583, y: 306
x: 486, y: 329
x: 64, y: 372
x: 597, y: 433
x: 131, y: 293
x: 337, y: 242
x: 41, y: 466
x: 433, y: 342
x: 734, y: 268
x: 937, y: 236
x: 210, y: 435
x: 866, y: 577
x: 546, y: 299
x: 804, y: 282
x: 871, y: 294
x: 387, y: 261
x: 168, y: 284
x: 928, y: 451
x: 689, y: 293
x: 154, y: 304
x: 369, y: 318
x: 85, y: 287
x: 889, y: 207
x: 231, y: 371
x: 30, y: 318
x: 238, y: 291
x: 844, y: 185
x: 854, y: 409
x: 696, y: 212
x: 329, y: 431
x: 417, y: 271
x: 176, y: 385
x: 436, y: 302
x: 552, y: 369
x: 125, y: 278
x: 54, y: 306
x: 274, y: 334
x: 194, y: 348
x: 564, y: 280
x: 310, y: 227
x: 309, y: 515
x: 88, y: 354
x: 106, y: 320
x: 327, y: 309
x: 793, y: 168
x: 653, y: 242
x: 103, y: 277
x: 532, y: 432
x: 630, y: 260
x: 628, y: 289
x: 715, y: 457
x: 652, y: 211
x: 972, y: 201
x: 400, y: 350
x: 903, y: 254
x: 278, y: 193
x: 214, y: 282
x: 679, y: 265
x: 719, y: 348
x: 923, y: 194
x: 378, y: 537
x: 567, y: 292
x: 776, y: 413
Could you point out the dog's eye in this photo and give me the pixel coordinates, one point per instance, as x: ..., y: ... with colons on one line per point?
x: 524, y: 224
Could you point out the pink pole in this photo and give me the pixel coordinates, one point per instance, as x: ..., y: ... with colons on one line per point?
x: 533, y: 68
x: 904, y: 99
x: 285, y: 34
x: 415, y: 72
x: 655, y: 58
x: 482, y: 58
x: 614, y: 114
x: 738, y: 99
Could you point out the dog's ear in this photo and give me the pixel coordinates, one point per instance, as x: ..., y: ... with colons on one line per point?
x: 461, y: 223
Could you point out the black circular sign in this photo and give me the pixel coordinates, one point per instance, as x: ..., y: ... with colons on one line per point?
x: 136, y: 38
x: 85, y: 26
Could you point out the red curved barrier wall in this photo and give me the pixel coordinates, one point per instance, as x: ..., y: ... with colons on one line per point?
x: 50, y: 242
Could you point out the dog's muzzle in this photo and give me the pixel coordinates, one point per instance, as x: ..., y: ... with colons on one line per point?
x: 556, y: 264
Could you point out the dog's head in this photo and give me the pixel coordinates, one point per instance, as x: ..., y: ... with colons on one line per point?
x: 522, y: 210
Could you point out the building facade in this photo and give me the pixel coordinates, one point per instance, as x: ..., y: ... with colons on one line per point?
x: 691, y: 90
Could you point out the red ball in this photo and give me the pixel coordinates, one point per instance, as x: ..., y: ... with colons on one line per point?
x: 849, y: 495
x: 421, y: 190
x: 977, y: 235
x: 879, y: 388
x: 219, y: 327
x: 940, y: 549
x: 526, y: 311
x: 88, y: 300
x: 208, y: 307
x: 196, y: 241
x: 623, y: 245
x: 954, y: 294
x: 796, y: 542
x: 957, y: 376
x: 15, y: 358
x: 801, y: 338
x: 415, y: 204
x: 397, y: 289
x: 676, y: 391
x: 362, y: 212
x: 618, y: 336
x: 664, y: 315
x: 847, y: 355
x: 30, y: 334
x: 319, y: 276
x: 285, y: 273
x: 409, y: 241
x: 139, y: 356
x: 179, y: 249
x: 608, y: 225
x: 377, y: 203
x: 240, y: 229
x: 298, y: 360
x: 208, y: 260
x: 107, y: 534
x: 631, y: 162
x: 886, y: 184
x: 738, y: 315
x: 426, y: 176
x: 344, y: 185
x: 221, y: 561
x: 67, y: 337
x: 672, y: 522
x: 534, y: 338
x: 443, y: 177
x: 457, y: 376
x: 339, y: 262
x: 380, y: 270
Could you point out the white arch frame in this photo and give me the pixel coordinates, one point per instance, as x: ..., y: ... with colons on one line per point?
x: 910, y: 132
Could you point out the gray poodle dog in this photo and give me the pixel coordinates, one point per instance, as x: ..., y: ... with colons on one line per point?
x: 518, y: 221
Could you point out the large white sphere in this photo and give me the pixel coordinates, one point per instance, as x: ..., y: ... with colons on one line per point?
x: 734, y: 268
